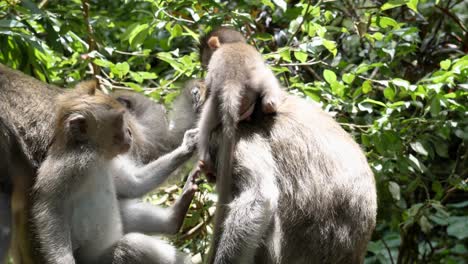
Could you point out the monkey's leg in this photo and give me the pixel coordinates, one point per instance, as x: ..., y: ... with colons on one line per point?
x: 138, y: 216
x: 241, y: 224
x: 248, y: 217
x: 135, y: 248
x: 208, y: 121
x: 5, y: 225
x: 269, y: 88
x: 138, y: 182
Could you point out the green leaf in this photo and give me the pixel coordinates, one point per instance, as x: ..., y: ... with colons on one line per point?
x: 282, y: 4
x: 413, y: 5
x: 120, y: 69
x: 329, y: 76
x: 103, y: 63
x: 348, y: 78
x: 416, y: 163
x: 389, y: 93
x: 425, y: 225
x: 374, y: 102
x: 176, y: 31
x: 134, y: 86
x: 401, y: 83
x: 338, y: 88
x: 458, y: 227
x: 366, y: 86
x: 285, y: 54
x: 133, y: 31
x: 435, y: 106
x: 300, y: 56
x: 385, y: 22
x: 392, y: 4
x: 394, y: 189
x: 419, y: 148
x: 445, y: 64
x: 330, y: 46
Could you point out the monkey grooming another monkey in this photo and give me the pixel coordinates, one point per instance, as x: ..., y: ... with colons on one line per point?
x: 25, y: 106
x: 75, y: 206
x: 236, y: 76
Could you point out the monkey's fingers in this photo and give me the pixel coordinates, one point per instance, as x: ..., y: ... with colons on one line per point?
x: 269, y: 107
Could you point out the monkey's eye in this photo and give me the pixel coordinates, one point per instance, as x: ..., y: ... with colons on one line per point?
x: 125, y: 102
x: 129, y: 132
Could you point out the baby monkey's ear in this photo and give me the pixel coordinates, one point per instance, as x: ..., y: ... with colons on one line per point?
x: 213, y: 42
x: 77, y: 126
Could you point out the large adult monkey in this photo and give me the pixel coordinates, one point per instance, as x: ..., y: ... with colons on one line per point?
x: 28, y: 103
x: 301, y: 190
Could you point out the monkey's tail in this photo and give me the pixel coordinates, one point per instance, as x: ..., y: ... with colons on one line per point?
x: 230, y: 103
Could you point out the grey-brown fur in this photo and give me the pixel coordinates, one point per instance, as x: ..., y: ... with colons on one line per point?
x: 27, y: 104
x: 302, y: 191
x: 76, y: 209
x: 237, y: 76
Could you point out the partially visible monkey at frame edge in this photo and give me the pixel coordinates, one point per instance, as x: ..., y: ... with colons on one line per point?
x: 75, y: 208
x: 26, y: 105
x: 300, y: 189
x: 236, y: 77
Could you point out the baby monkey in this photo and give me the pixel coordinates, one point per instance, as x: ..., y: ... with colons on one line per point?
x: 237, y: 76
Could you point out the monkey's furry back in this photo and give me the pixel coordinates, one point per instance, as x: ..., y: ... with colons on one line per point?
x: 228, y: 78
x: 327, y: 200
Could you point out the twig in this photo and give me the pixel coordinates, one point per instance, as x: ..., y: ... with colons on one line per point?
x: 311, y: 71
x: 178, y: 18
x: 354, y: 125
x: 301, y: 63
x: 131, y: 53
x: 388, y: 250
x: 451, y: 190
x: 302, y: 22
x: 91, y: 40
x: 453, y: 17
x: 194, y: 230
x: 42, y: 4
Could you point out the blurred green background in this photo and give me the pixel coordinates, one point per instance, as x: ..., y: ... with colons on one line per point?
x: 393, y: 73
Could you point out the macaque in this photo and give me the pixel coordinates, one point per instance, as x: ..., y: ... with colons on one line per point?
x: 76, y: 211
x: 27, y: 107
x: 236, y: 76
x: 301, y: 190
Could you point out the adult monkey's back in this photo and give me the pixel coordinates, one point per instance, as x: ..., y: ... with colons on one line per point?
x: 303, y: 191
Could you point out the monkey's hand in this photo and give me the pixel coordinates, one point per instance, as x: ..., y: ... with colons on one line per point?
x: 207, y: 168
x: 270, y: 103
x: 190, y: 140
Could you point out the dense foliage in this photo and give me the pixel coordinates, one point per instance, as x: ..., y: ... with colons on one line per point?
x: 393, y: 73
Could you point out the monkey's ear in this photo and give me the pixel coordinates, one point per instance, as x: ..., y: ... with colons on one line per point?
x: 125, y: 102
x: 77, y: 126
x: 213, y: 42
x: 88, y: 87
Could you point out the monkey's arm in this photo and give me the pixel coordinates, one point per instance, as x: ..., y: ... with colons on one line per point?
x: 138, y: 216
x: 134, y: 184
x: 52, y: 226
